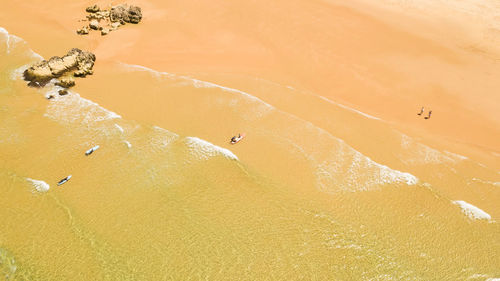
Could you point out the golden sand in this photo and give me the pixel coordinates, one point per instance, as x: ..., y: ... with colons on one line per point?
x: 337, y: 179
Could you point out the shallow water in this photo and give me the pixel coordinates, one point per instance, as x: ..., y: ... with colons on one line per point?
x: 304, y: 196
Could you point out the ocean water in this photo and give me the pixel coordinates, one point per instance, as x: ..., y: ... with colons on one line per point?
x: 166, y: 197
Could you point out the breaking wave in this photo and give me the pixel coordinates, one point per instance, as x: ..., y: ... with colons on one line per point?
x: 472, y: 211
x: 73, y: 109
x: 262, y: 106
x: 39, y: 185
x: 415, y: 153
x: 203, y: 149
x: 11, y: 40
x: 340, y: 168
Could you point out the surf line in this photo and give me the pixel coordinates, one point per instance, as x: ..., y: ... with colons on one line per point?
x: 349, y: 108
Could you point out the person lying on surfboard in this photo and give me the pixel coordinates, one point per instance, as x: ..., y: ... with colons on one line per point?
x: 236, y: 139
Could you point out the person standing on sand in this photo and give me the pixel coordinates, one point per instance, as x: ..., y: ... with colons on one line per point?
x: 429, y: 116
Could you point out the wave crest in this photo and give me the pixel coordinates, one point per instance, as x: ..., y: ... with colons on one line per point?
x: 203, y: 149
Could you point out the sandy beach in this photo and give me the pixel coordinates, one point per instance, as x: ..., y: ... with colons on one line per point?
x: 338, y: 178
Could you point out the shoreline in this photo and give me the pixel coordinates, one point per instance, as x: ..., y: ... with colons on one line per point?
x: 353, y: 96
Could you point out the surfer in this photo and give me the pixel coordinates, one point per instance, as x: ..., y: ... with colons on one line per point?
x: 236, y: 139
x: 64, y: 180
x: 429, y: 116
x: 421, y: 111
x: 88, y: 152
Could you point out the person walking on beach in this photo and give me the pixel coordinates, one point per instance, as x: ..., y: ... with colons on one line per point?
x: 429, y: 116
x: 421, y: 111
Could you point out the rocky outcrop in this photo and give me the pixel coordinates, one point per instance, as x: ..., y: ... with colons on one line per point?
x: 124, y: 13
x: 83, y: 31
x: 93, y: 9
x: 77, y: 61
x: 66, y: 82
x: 109, y: 20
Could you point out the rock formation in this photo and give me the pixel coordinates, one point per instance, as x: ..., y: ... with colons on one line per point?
x: 109, y: 20
x: 92, y: 9
x: 124, y: 13
x: 81, y: 62
x: 94, y: 24
x: 66, y: 82
x: 83, y: 31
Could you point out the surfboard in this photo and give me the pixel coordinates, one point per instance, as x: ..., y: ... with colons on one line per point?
x: 64, y: 180
x: 242, y: 135
x: 88, y: 152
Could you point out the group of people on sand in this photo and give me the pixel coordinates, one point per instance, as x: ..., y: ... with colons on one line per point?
x: 422, y: 111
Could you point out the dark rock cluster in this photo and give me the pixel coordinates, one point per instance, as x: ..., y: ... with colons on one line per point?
x: 107, y: 20
x: 76, y: 62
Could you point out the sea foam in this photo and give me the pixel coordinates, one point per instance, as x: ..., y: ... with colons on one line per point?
x: 472, y: 211
x: 349, y: 108
x: 72, y: 108
x: 163, y: 137
x: 199, y: 83
x: 129, y: 145
x: 39, y: 185
x: 341, y: 167
x: 415, y: 153
x: 203, y: 149
x: 11, y: 39
x: 119, y: 128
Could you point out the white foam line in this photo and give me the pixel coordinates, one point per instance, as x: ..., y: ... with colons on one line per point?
x: 386, y: 172
x: 486, y: 182
x: 39, y: 185
x: 15, y: 39
x: 349, y: 108
x: 17, y: 74
x: 165, y: 131
x: 199, y: 83
x: 418, y: 154
x: 388, y: 175
x: 391, y: 175
x: 472, y: 211
x: 456, y: 155
x: 119, y: 128
x: 204, y: 149
x: 73, y: 107
x: 128, y: 144
x: 9, y: 38
x: 323, y: 98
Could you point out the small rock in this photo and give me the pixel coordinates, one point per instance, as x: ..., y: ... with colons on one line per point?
x: 94, y: 24
x: 92, y: 9
x: 83, y: 31
x: 49, y: 97
x: 63, y: 92
x: 105, y: 31
x: 134, y: 14
x: 115, y: 25
x: 66, y: 82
